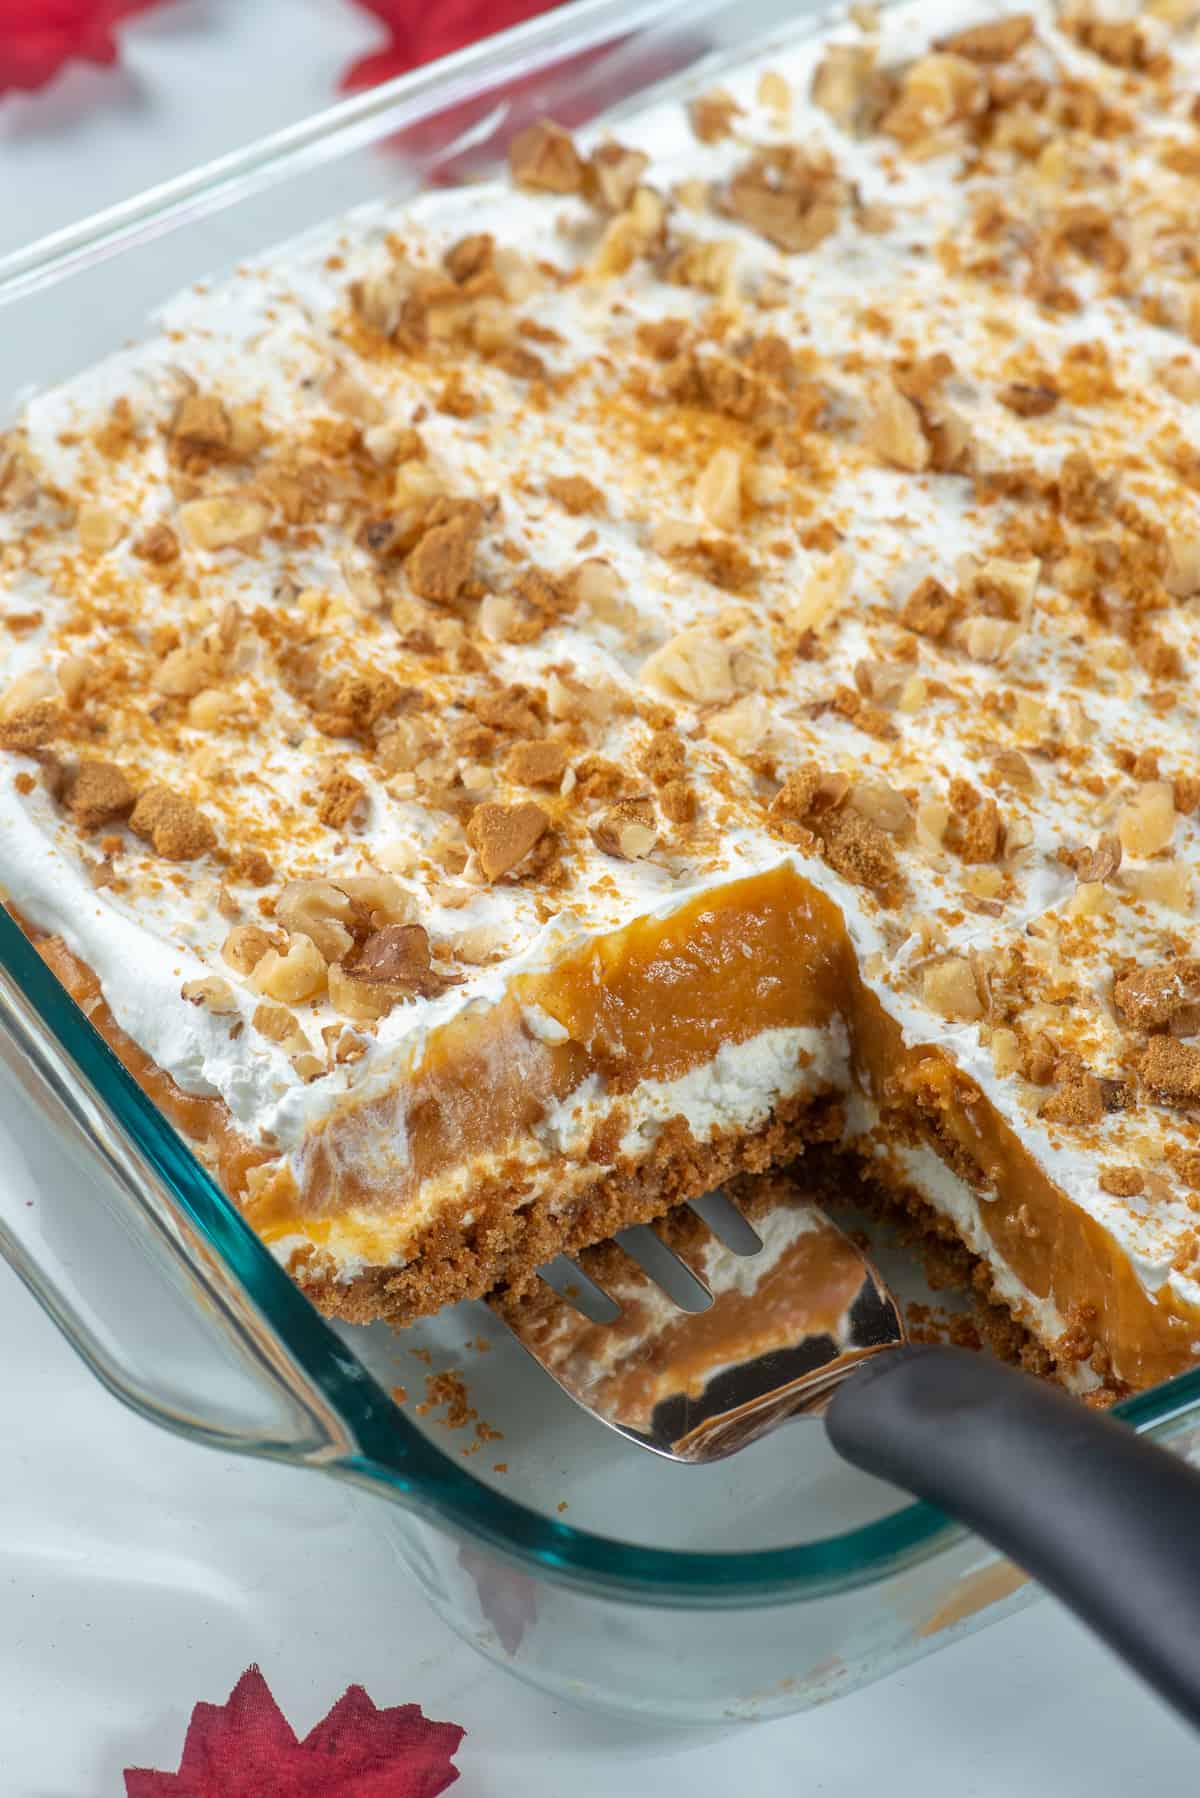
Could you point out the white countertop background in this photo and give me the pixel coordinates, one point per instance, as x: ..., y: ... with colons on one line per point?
x: 139, y: 1574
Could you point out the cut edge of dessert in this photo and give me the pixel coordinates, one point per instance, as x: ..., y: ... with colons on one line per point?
x: 576, y: 721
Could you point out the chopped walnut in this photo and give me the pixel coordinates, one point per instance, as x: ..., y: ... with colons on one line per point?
x: 245, y: 947
x: 503, y: 835
x: 346, y: 394
x: 882, y: 804
x: 158, y: 545
x: 712, y: 115
x: 1147, y: 825
x: 188, y: 669
x: 544, y: 158
x: 211, y: 993
x: 893, y: 429
x: 936, y: 92
x: 295, y: 975
x: 226, y: 521
x: 950, y: 988
x: 612, y: 174
x: 176, y: 829
x: 703, y: 667
x: 201, y: 423
x: 719, y: 490
x: 343, y: 1045
x: 397, y: 954
x: 1099, y: 863
x: 1010, y: 767
x: 1120, y: 42
x: 279, y: 1025
x: 1006, y: 1051
x: 847, y: 86
x: 470, y: 256
x: 790, y: 196
x: 1182, y: 578
x: 639, y: 231
x: 627, y: 830
x: 1162, y: 883
x: 1029, y: 399
x: 994, y: 41
x: 370, y: 996
x: 99, y: 529
x: 408, y: 743
x: 824, y: 593
x: 97, y: 793
x: 380, y: 896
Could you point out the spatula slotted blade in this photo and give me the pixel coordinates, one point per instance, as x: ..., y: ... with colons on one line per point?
x: 783, y: 1326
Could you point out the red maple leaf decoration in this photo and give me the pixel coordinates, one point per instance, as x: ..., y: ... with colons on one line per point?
x: 419, y: 33
x: 247, y: 1749
x: 38, y: 36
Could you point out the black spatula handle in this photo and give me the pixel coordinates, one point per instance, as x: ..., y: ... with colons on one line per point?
x: 1106, y: 1520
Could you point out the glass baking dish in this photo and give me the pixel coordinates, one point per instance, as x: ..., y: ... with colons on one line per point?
x: 765, y: 1584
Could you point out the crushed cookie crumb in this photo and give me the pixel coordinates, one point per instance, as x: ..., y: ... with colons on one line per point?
x: 176, y: 829
x: 1170, y: 1071
x: 98, y: 793
x: 576, y: 494
x: 930, y: 609
x: 1122, y: 1182
x: 539, y: 763
x: 342, y: 799
x: 503, y: 835
x: 1077, y: 1102
x: 1164, y: 997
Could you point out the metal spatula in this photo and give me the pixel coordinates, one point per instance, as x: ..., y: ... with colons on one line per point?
x: 714, y: 1336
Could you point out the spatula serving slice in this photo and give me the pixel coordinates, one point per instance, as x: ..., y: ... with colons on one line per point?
x: 696, y: 1337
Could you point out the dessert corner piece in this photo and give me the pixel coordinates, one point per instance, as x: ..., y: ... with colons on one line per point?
x: 543, y: 699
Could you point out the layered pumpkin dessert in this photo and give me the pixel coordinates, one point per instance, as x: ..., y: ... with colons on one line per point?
x: 533, y: 702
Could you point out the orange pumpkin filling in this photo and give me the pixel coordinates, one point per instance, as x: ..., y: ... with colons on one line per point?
x: 652, y: 1002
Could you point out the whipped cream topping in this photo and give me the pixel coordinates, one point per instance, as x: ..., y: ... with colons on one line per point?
x: 1064, y: 333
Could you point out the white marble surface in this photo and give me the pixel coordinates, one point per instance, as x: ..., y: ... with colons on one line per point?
x: 138, y: 1573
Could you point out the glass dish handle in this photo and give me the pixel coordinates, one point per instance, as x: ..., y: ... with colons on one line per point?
x: 137, y: 1257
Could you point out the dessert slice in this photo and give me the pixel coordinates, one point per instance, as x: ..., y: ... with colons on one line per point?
x: 527, y: 704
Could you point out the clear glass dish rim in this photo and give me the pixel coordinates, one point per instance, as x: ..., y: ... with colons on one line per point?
x: 391, y: 1454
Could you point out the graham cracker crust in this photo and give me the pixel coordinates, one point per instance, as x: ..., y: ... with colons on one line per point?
x: 506, y: 1244
x: 837, y: 1179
